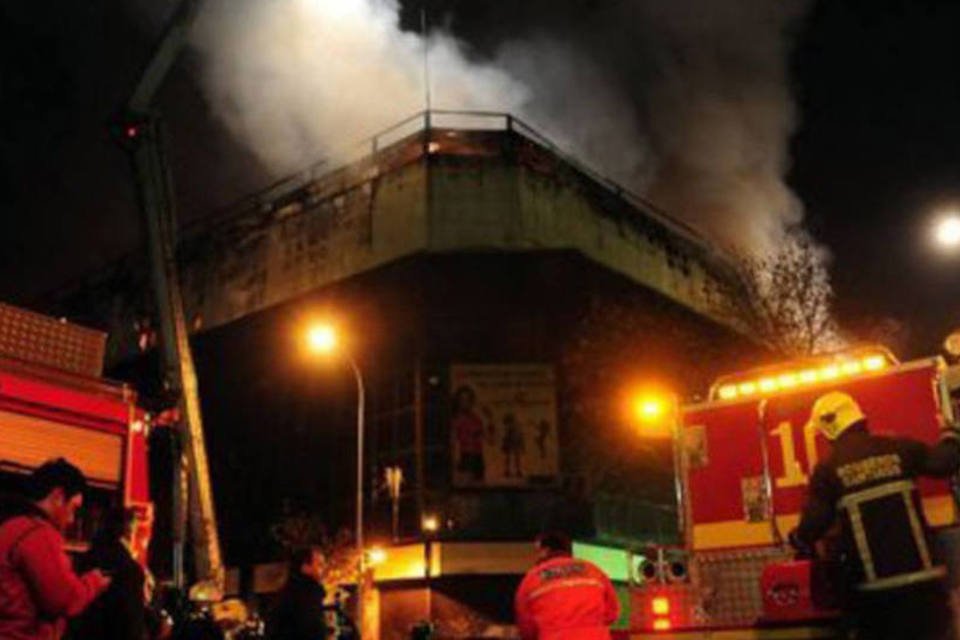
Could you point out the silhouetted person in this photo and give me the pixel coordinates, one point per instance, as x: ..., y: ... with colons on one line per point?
x: 300, y: 614
x: 120, y: 612
x: 38, y: 587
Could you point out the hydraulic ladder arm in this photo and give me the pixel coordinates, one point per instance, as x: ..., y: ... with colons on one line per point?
x: 142, y: 134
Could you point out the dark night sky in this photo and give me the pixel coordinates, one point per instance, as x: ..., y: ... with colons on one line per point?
x: 878, y: 146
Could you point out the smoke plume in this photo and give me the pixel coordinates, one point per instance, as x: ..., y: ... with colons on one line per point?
x: 299, y: 79
x: 685, y: 101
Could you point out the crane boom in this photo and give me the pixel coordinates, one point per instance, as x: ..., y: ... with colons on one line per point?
x: 145, y: 138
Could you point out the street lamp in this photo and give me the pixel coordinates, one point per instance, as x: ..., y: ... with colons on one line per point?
x: 655, y: 414
x: 323, y: 339
x: 430, y: 524
x: 429, y: 528
x: 946, y: 230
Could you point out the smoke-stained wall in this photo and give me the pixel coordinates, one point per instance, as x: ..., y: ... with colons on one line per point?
x: 461, y: 191
x: 452, y: 191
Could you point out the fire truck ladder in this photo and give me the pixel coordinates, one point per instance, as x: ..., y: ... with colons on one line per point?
x: 141, y: 132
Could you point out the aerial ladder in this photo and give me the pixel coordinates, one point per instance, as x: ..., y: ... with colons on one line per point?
x: 141, y: 131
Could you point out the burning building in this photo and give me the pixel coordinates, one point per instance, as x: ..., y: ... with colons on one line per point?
x: 488, y: 282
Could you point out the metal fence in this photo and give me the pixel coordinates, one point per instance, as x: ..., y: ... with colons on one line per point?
x: 422, y: 123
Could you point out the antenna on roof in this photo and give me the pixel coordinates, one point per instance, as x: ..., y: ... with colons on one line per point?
x: 426, y: 58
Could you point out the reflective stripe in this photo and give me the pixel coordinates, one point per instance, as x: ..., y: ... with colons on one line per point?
x: 905, y: 489
x: 860, y: 537
x: 873, y: 493
x: 917, y: 529
x: 905, y: 579
x: 563, y: 584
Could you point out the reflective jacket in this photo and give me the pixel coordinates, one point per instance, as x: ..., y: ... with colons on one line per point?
x: 871, y: 482
x: 565, y: 598
x: 38, y: 588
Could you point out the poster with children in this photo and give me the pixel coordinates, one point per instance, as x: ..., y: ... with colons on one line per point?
x: 503, y: 425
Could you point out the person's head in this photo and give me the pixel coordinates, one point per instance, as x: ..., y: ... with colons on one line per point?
x: 308, y: 561
x: 118, y: 524
x: 57, y: 487
x: 553, y: 543
x: 463, y: 399
x: 835, y: 413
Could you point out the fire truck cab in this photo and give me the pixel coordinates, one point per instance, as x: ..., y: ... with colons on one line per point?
x: 53, y: 403
x: 743, y: 459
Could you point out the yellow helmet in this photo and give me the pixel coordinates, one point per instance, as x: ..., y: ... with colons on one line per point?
x: 833, y: 413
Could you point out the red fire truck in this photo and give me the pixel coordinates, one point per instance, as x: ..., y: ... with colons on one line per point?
x: 54, y: 403
x: 743, y: 460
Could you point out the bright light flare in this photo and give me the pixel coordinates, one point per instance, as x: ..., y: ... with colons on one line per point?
x: 851, y: 368
x: 728, y: 392
x: 662, y: 624
x: 376, y: 556
x: 650, y: 409
x: 322, y: 338
x: 654, y: 413
x: 789, y: 380
x: 430, y: 524
x: 830, y: 372
x: 660, y: 606
x: 767, y: 384
x: 946, y: 231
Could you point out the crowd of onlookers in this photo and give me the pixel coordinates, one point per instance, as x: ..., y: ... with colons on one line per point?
x: 105, y: 593
x: 44, y: 594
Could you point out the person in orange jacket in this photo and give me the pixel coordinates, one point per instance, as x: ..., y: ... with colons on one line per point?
x: 38, y: 587
x: 563, y: 598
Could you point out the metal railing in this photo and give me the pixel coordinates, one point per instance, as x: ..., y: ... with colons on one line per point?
x: 423, y: 122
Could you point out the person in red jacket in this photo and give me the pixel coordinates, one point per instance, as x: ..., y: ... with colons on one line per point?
x: 38, y: 587
x: 563, y: 598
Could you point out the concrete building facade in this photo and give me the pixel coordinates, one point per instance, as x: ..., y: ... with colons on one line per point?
x: 456, y: 247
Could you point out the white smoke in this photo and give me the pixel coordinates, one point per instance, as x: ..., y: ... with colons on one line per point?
x: 577, y: 104
x: 685, y: 101
x: 298, y: 79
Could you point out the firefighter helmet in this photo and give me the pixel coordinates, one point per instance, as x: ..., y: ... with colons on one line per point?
x: 833, y: 413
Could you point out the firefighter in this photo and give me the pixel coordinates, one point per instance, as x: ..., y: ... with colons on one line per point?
x: 564, y: 598
x: 895, y: 585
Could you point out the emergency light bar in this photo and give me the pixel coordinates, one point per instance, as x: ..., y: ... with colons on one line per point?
x: 807, y: 373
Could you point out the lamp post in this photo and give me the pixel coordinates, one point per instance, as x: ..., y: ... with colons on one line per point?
x: 429, y: 527
x: 323, y: 339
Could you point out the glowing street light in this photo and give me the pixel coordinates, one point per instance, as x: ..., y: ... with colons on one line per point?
x: 655, y: 413
x: 376, y: 556
x: 323, y: 339
x: 430, y: 524
x: 650, y: 409
x: 946, y: 231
